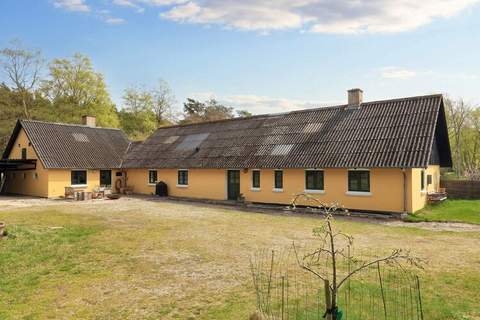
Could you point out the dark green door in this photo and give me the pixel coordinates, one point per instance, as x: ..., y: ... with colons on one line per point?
x: 233, y: 184
x: 105, y: 178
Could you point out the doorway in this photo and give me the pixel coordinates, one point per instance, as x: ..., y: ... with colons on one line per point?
x: 233, y: 184
x: 106, y: 178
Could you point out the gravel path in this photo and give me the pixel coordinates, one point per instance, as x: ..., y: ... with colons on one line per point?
x: 12, y: 202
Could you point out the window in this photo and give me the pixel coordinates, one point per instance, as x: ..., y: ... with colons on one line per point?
x: 182, y: 178
x: 24, y: 153
x: 256, y: 179
x: 152, y: 176
x: 422, y: 180
x: 278, y: 179
x: 314, y: 180
x: 79, y: 178
x: 359, y: 181
x: 429, y: 179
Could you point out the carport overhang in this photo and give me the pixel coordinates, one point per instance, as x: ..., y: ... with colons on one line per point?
x: 17, y: 165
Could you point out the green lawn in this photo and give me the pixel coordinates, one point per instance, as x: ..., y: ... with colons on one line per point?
x: 138, y: 259
x: 450, y: 210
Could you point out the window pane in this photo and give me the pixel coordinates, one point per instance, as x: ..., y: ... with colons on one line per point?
x: 359, y: 181
x: 152, y: 176
x: 182, y: 177
x: 278, y: 179
x: 314, y: 180
x: 79, y: 177
x: 256, y: 179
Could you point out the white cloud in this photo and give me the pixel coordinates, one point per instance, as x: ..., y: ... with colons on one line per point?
x: 138, y: 4
x: 72, y: 5
x: 129, y: 4
x: 111, y: 20
x: 397, y: 73
x: 107, y: 17
x: 260, y: 104
x: 325, y: 16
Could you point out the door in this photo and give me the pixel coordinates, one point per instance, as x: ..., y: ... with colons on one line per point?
x: 105, y: 178
x: 233, y: 184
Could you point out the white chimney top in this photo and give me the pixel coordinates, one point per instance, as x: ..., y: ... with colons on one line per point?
x: 355, y: 97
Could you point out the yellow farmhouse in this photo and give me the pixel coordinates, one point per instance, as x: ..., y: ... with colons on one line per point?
x: 373, y: 156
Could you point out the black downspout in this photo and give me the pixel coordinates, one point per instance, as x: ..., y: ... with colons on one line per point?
x: 404, y: 191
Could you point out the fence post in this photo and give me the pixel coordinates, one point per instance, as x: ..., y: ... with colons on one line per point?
x: 328, y: 301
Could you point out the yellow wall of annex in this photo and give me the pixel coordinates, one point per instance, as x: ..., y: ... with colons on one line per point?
x: 27, y: 182
x: 418, y: 196
x: 203, y: 183
x: 386, y: 187
x: 58, y: 179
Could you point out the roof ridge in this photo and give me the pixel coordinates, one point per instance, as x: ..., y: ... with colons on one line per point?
x: 68, y: 124
x: 266, y: 115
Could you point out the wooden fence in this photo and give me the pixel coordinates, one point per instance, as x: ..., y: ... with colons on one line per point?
x: 461, y: 189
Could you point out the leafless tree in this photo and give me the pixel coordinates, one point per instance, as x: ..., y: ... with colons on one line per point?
x: 162, y: 102
x: 335, y: 244
x: 22, y: 68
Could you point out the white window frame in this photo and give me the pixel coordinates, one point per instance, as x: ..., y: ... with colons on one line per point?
x: 150, y: 183
x: 359, y: 193
x: 283, y: 182
x: 79, y: 185
x: 319, y: 191
x: 252, y: 188
x: 188, y: 179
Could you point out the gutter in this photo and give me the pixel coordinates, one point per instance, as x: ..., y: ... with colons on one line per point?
x: 404, y: 191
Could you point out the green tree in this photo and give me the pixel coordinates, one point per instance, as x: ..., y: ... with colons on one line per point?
x: 244, y: 113
x: 144, y: 110
x: 137, y: 118
x: 211, y: 110
x: 76, y: 89
x: 11, y: 109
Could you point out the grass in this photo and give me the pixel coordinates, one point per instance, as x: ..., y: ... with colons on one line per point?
x: 450, y: 211
x: 153, y: 260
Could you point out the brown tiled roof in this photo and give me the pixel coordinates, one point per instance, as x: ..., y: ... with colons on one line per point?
x: 73, y: 146
x: 391, y: 133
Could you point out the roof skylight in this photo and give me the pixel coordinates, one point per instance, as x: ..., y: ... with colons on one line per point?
x: 192, y: 141
x: 282, y: 149
x: 80, y: 137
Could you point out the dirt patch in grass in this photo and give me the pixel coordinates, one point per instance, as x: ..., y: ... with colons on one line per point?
x: 436, y: 226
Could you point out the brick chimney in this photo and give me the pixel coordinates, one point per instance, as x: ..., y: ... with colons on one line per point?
x: 88, y: 121
x: 355, y: 97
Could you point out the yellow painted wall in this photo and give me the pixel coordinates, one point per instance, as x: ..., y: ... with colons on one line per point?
x: 386, y: 187
x: 418, y: 196
x: 203, y: 183
x: 27, y: 182
x: 58, y: 179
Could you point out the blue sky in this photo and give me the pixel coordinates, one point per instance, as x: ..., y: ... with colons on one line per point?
x: 262, y: 55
